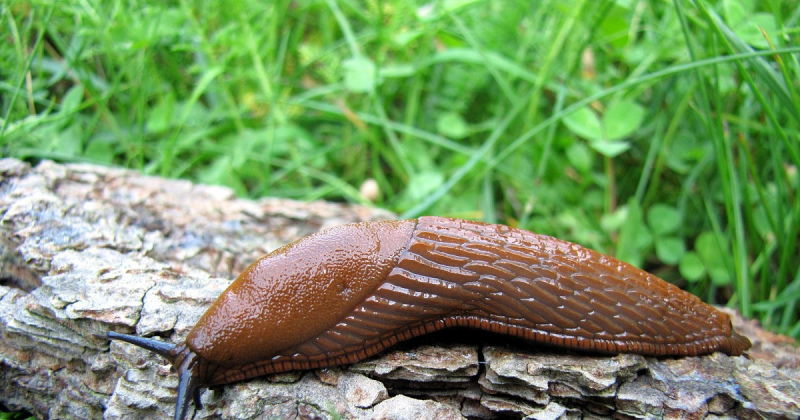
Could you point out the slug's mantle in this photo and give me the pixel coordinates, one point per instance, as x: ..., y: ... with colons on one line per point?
x: 91, y: 249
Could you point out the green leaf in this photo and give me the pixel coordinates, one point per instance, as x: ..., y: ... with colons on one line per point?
x: 720, y: 276
x: 220, y: 172
x: 610, y: 149
x: 360, y: 74
x: 398, y: 71
x: 580, y: 157
x: 161, y: 115
x: 735, y: 11
x: 422, y: 184
x: 584, y: 123
x: 684, y: 150
x: 615, y: 26
x: 670, y: 249
x: 100, y: 151
x: 452, y: 125
x: 69, y: 141
x: 712, y: 254
x: 748, y: 25
x: 72, y: 100
x: 622, y: 119
x: 663, y: 219
x: 611, y: 222
x: 751, y: 29
x: 402, y: 39
x: 691, y: 267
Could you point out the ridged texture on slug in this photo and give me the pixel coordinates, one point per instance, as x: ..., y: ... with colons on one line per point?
x: 459, y: 273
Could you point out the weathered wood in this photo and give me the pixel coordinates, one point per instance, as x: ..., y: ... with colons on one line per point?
x: 87, y: 249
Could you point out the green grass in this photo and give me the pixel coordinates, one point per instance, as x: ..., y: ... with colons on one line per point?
x: 665, y: 133
x: 15, y: 416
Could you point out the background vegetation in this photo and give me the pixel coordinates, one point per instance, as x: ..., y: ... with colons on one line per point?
x: 666, y: 133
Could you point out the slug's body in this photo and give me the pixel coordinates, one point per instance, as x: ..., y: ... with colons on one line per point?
x: 349, y: 292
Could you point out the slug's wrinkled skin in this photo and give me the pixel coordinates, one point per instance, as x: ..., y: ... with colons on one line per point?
x: 347, y: 293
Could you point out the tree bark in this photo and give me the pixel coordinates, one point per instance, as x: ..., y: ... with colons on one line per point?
x: 88, y: 249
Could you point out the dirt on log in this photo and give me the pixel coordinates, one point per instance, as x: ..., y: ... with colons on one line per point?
x: 88, y: 249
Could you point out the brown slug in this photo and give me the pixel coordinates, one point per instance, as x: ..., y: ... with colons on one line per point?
x: 348, y: 292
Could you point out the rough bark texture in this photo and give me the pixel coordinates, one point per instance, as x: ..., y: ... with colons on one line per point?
x: 87, y: 249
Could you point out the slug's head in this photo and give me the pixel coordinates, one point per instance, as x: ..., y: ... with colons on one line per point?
x: 298, y: 291
x: 188, y: 366
x: 281, y: 300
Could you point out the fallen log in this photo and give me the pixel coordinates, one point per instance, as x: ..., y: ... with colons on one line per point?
x: 87, y: 250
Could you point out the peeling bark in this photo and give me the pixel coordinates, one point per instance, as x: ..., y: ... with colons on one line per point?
x: 87, y: 249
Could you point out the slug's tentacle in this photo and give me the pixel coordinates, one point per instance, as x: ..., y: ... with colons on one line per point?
x: 187, y: 386
x: 183, y: 359
x: 158, y: 347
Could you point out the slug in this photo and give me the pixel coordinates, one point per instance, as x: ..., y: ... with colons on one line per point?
x: 347, y: 293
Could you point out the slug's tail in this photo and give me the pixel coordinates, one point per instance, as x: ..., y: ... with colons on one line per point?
x: 738, y: 344
x: 183, y: 360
